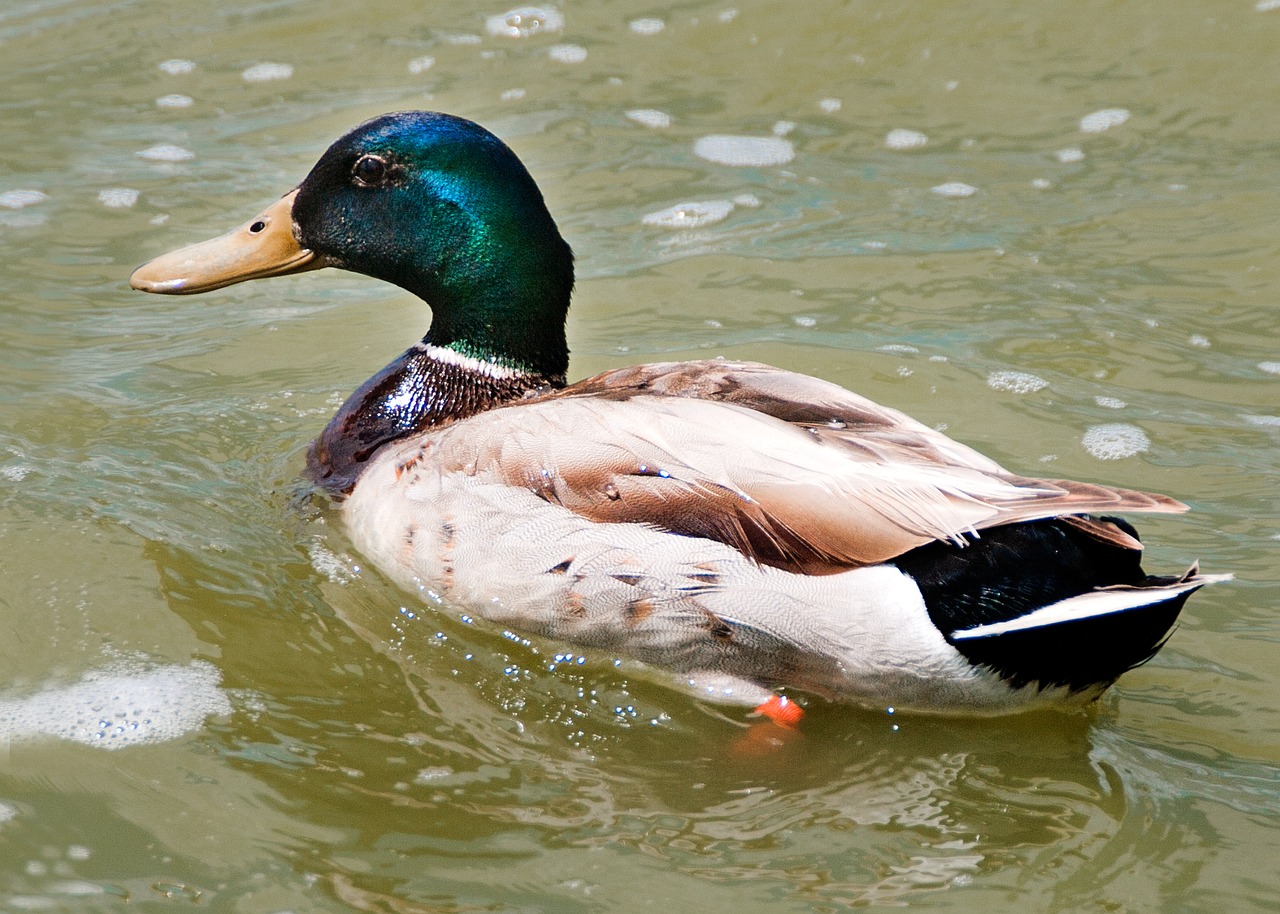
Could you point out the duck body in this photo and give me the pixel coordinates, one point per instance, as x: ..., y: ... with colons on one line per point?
x: 745, y: 528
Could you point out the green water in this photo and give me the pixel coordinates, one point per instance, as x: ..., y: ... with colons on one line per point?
x: 296, y: 735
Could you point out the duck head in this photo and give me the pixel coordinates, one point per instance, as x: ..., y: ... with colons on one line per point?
x: 431, y: 202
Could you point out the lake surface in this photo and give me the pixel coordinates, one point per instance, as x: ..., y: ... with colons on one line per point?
x: 1049, y: 228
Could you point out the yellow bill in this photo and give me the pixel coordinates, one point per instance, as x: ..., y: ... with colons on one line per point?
x: 263, y: 246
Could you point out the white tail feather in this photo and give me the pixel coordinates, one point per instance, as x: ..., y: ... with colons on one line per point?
x: 1090, y: 605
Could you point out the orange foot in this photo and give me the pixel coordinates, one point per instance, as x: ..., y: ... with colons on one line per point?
x: 779, y: 727
x: 782, y: 711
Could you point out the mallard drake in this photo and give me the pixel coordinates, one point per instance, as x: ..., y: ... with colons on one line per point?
x: 748, y: 529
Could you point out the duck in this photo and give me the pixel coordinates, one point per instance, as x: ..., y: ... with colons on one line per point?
x: 760, y: 537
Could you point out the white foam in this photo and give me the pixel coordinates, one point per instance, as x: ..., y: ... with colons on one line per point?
x: 166, y: 152
x: 524, y: 21
x: 690, y: 214
x: 266, y: 72
x: 1269, y: 367
x: 901, y: 138
x: 17, y: 199
x: 751, y: 201
x: 1199, y: 340
x: 7, y: 812
x: 1041, y: 183
x: 1110, y: 402
x: 649, y: 117
x: 174, y: 101
x: 955, y: 189
x: 1017, y: 382
x: 421, y: 65
x: 1102, y: 120
x: 1263, y: 421
x: 567, y: 53
x: 512, y: 95
x: 1266, y: 6
x: 1069, y: 155
x: 744, y: 150
x: 123, y: 705
x: 118, y: 197
x: 176, y: 66
x: 1115, y: 440
x: 646, y: 26
x: 830, y: 105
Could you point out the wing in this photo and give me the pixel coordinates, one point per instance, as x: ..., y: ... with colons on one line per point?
x: 794, y: 472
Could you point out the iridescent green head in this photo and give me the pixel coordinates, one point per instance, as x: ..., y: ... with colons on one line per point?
x: 433, y: 203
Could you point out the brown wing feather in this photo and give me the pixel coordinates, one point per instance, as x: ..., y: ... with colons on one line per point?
x: 728, y: 451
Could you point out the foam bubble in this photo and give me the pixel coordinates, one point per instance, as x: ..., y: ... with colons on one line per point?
x: 1072, y: 154
x: 1115, y: 440
x: 7, y: 812
x: 17, y: 199
x: 1102, y: 120
x: 421, y: 65
x: 166, y: 152
x: 782, y: 128
x: 1199, y: 340
x: 647, y: 26
x: 1263, y: 421
x: 512, y: 95
x: 1016, y: 382
x: 649, y: 117
x: 118, y: 197
x: 728, y: 15
x: 1041, y: 183
x: 690, y: 215
x: 266, y: 72
x: 751, y: 201
x: 804, y: 320
x: 901, y: 138
x: 567, y: 53
x: 1110, y: 402
x: 955, y: 189
x: 525, y: 21
x: 174, y: 101
x: 830, y: 105
x: 1269, y: 367
x: 176, y: 66
x: 126, y: 705
x: 744, y: 150
x: 1266, y: 6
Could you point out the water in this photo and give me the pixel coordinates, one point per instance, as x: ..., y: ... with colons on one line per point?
x: 296, y: 735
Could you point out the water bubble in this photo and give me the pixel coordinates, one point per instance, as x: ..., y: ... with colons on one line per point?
x: 421, y: 65
x: 166, y: 152
x: 174, y: 101
x: 901, y: 138
x: 525, y: 21
x: 1102, y: 120
x: 1265, y: 6
x: 1269, y: 367
x: 1017, y: 382
x: 744, y: 150
x: 1069, y: 155
x: 17, y: 199
x: 1110, y: 402
x: 1041, y: 183
x: 1200, y: 341
x: 118, y: 197
x: 691, y: 214
x: 567, y: 53
x: 954, y: 189
x: 830, y: 105
x: 512, y: 95
x: 804, y: 320
x: 1115, y: 440
x: 647, y: 26
x: 728, y: 15
x: 266, y: 72
x: 176, y: 66
x: 1263, y: 421
x: 648, y: 117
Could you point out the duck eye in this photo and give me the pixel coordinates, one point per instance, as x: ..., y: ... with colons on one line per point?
x: 370, y: 170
